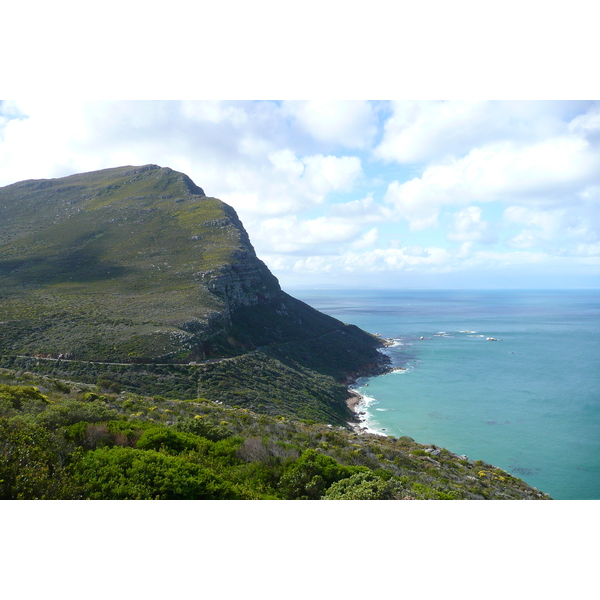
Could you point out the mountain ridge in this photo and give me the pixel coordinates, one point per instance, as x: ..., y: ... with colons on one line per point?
x: 138, y: 265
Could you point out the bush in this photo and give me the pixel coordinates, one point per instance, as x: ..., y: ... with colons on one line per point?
x: 6, y: 407
x: 31, y: 463
x: 73, y: 411
x: 363, y: 486
x: 418, y: 452
x: 16, y: 395
x: 107, y: 433
x: 107, y: 385
x: 160, y: 438
x: 62, y: 387
x: 310, y: 475
x: 89, y: 435
x: 129, y: 474
x: 201, y: 426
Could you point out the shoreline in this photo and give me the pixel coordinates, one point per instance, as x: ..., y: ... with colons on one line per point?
x: 352, y: 402
x: 355, y: 399
x: 358, y: 420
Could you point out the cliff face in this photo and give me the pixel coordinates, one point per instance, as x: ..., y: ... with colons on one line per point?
x: 138, y: 265
x: 243, y: 283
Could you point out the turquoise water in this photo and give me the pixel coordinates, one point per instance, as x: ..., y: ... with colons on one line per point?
x: 528, y: 402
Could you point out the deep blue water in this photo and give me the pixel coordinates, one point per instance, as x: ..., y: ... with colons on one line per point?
x: 528, y: 402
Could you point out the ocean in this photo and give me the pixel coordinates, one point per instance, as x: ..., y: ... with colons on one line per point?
x: 527, y: 401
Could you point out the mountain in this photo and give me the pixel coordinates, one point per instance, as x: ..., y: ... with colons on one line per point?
x: 146, y: 352
x: 126, y: 273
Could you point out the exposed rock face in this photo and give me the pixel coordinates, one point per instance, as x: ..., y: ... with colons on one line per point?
x: 246, y: 282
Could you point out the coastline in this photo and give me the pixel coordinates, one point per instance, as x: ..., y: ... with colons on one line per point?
x: 353, y: 402
x: 356, y: 400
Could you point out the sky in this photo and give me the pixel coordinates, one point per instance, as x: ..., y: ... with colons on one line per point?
x: 376, y: 194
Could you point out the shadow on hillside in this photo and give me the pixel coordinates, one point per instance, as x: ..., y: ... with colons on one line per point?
x: 77, y: 266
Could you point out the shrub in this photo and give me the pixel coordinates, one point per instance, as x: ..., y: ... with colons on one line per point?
x: 405, y: 439
x: 363, y: 486
x: 31, y: 463
x: 16, y: 395
x: 253, y: 449
x: 107, y: 385
x: 62, y: 387
x: 201, y: 426
x: 418, y: 452
x: 70, y: 411
x: 310, y: 475
x: 129, y: 474
x: 160, y: 438
x: 6, y: 407
x: 89, y: 435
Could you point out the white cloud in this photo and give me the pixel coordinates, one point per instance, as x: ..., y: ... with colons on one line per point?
x: 429, y: 131
x: 588, y: 249
x: 559, y: 231
x: 214, y: 111
x: 43, y: 142
x: 365, y: 210
x: 291, y: 235
x: 420, y: 131
x: 548, y: 173
x: 540, y: 225
x: 368, y: 239
x: 241, y: 152
x: 588, y: 123
x: 410, y: 203
x: 315, y: 264
x: 327, y: 173
x: 431, y: 259
x: 352, y: 124
x: 288, y: 184
x: 468, y: 227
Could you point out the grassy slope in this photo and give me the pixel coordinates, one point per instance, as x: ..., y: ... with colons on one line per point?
x: 112, y: 253
x: 61, y: 438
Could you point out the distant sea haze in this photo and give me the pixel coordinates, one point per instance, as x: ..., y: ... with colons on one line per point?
x: 506, y: 376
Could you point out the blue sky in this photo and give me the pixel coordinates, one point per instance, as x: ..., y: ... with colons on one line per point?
x: 460, y: 194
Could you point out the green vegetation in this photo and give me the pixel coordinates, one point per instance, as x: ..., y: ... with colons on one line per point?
x: 86, y: 443
x: 255, y: 381
x: 104, y: 266
x: 132, y: 279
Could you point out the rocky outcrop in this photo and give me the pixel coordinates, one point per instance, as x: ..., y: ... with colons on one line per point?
x: 247, y: 282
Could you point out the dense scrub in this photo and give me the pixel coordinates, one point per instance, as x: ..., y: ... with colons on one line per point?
x: 61, y: 440
x: 255, y: 381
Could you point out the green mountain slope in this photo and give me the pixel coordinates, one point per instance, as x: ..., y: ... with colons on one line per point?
x: 65, y: 440
x: 136, y: 265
